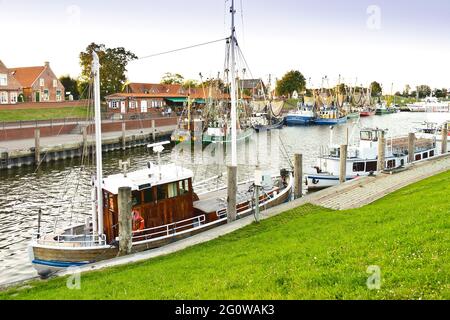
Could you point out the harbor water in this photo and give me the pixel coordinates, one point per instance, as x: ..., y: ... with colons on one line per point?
x: 62, y: 189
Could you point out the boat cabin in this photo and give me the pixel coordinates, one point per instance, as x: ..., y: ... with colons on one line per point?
x: 161, y: 195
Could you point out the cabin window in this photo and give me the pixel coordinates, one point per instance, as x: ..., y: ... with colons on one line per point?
x: 111, y: 202
x: 432, y: 153
x: 161, y: 192
x: 402, y: 162
x: 184, y: 187
x: 425, y: 155
x: 358, y: 167
x: 391, y: 164
x: 136, y: 199
x: 148, y: 196
x: 371, y: 166
x: 173, y: 190
x: 418, y: 157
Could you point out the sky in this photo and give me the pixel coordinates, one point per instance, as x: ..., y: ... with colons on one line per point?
x: 393, y: 42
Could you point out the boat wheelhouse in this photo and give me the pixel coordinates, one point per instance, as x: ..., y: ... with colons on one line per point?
x: 362, y: 160
x: 304, y: 115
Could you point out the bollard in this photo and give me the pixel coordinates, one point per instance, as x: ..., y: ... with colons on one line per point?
x: 444, y: 138
x: 125, y: 221
x: 411, y: 147
x: 37, y: 147
x: 232, y: 193
x: 298, y: 176
x: 343, y: 164
x: 381, y: 152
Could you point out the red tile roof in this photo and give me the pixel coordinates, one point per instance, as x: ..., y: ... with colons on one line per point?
x: 13, y: 84
x: 28, y: 75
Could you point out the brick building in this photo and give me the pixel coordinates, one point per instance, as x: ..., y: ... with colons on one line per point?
x: 10, y: 88
x: 39, y: 84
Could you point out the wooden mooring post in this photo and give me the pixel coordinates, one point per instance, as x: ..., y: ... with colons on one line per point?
x: 154, y: 130
x: 411, y: 147
x: 37, y: 146
x: 298, y: 176
x: 343, y: 163
x: 125, y: 221
x: 124, y: 130
x: 444, y: 148
x: 232, y: 193
x: 381, y: 152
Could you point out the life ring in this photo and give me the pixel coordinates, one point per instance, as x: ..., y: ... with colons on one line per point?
x: 138, y: 222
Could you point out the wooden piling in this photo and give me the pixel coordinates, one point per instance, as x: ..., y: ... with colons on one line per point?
x: 125, y: 221
x: 411, y: 147
x: 124, y: 130
x: 343, y: 164
x: 381, y: 152
x: 232, y: 193
x: 298, y: 176
x: 444, y: 148
x: 154, y: 130
x: 84, y: 131
x: 37, y: 146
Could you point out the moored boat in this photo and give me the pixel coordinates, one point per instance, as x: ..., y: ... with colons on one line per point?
x: 362, y: 159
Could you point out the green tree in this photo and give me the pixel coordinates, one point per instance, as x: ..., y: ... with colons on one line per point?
x: 190, y: 84
x: 407, y: 90
x: 376, y: 89
x: 424, y: 91
x: 172, y: 78
x: 113, y: 67
x: 71, y: 85
x: 291, y: 81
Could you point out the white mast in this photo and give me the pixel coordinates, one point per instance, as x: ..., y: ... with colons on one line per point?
x: 233, y: 91
x: 98, y: 140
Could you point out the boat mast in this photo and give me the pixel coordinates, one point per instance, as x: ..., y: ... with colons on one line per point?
x: 98, y: 140
x: 233, y: 90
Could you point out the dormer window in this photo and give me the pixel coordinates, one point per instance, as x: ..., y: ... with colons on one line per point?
x: 41, y: 82
x: 3, y: 79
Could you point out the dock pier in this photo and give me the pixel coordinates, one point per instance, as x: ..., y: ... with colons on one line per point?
x: 18, y: 153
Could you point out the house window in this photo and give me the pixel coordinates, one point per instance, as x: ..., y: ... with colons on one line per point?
x: 358, y: 167
x: 3, y: 97
x: 132, y: 104
x: 55, y: 83
x: 58, y: 95
x: 114, y: 104
x: 13, y: 97
x: 3, y: 79
x: 46, y: 96
x: 41, y: 82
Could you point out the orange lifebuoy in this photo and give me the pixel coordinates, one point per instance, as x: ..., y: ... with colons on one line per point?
x: 138, y: 222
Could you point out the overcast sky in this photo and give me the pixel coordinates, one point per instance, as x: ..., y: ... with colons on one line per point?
x: 401, y: 42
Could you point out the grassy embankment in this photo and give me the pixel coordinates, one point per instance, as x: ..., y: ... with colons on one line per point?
x: 42, y: 114
x: 306, y: 253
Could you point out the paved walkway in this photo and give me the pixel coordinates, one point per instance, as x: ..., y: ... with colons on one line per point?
x: 353, y: 194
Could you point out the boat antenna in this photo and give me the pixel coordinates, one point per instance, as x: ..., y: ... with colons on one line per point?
x: 98, y: 139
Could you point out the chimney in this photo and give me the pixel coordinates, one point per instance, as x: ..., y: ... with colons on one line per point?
x: 47, y: 64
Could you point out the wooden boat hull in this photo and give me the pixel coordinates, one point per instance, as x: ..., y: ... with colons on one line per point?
x: 48, y: 259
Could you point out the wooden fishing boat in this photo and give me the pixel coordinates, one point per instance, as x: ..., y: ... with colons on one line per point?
x: 164, y: 204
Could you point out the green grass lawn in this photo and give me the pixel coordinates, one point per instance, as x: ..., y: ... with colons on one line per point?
x: 306, y: 253
x: 43, y: 114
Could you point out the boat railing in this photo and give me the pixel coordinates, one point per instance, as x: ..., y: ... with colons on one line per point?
x: 82, y: 240
x: 168, y: 229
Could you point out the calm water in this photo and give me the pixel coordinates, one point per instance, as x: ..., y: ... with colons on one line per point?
x: 62, y: 189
